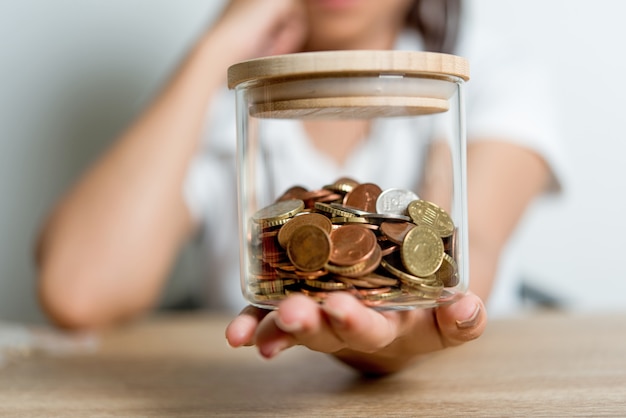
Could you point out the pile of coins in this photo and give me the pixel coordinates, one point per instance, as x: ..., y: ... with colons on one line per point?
x: 382, y: 246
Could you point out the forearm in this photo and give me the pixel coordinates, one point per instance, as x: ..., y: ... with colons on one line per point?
x: 106, y: 249
x: 503, y: 179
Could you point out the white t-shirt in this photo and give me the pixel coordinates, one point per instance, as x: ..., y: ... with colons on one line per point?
x: 506, y: 99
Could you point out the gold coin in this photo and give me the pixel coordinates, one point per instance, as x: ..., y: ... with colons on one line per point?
x: 278, y: 211
x: 346, y: 270
x: 284, y: 235
x: 309, y: 248
x: 334, y: 211
x: 406, y: 277
x: 422, y: 251
x: 343, y: 185
x: 340, y: 220
x: 270, y: 287
x: 427, y: 213
x: 427, y: 291
x: 326, y: 284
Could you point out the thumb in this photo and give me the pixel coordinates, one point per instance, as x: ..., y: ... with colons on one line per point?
x: 462, y: 321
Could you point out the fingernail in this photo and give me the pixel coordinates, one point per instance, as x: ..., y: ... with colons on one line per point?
x: 471, y: 321
x: 334, y: 314
x: 290, y: 328
x: 272, y: 350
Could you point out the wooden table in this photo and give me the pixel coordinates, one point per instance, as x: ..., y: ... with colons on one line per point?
x: 553, y: 365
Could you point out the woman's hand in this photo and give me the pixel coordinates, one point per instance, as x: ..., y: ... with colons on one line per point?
x: 371, y: 341
x: 257, y: 28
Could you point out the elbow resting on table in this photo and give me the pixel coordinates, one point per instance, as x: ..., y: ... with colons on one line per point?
x: 66, y: 308
x: 71, y: 301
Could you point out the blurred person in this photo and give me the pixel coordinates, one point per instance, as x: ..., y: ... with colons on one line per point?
x: 106, y: 249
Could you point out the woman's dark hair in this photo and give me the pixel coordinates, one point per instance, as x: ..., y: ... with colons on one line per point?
x: 438, y: 22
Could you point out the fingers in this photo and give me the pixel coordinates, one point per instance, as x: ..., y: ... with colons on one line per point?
x: 241, y: 330
x: 340, y: 322
x: 359, y: 327
x: 343, y: 323
x: 298, y: 320
x: 461, y: 321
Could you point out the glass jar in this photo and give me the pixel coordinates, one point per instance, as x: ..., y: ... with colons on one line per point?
x: 352, y: 178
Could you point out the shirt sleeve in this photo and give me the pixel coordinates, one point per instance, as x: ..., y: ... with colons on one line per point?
x: 510, y: 98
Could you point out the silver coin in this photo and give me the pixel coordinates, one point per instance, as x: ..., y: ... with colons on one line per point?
x: 395, y: 201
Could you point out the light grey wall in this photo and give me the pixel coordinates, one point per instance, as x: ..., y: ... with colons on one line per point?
x: 576, y: 247
x: 73, y: 73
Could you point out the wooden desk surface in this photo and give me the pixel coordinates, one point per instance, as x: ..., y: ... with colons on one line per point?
x: 552, y: 365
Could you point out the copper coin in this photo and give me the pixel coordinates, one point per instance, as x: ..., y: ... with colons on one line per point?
x: 310, y: 198
x: 449, y: 244
x: 270, y: 249
x: 363, y: 197
x: 448, y: 272
x: 292, y: 193
x: 352, y: 244
x: 388, y: 247
x: 284, y: 235
x: 333, y: 197
x: 311, y: 274
x: 369, y: 265
x: 309, y: 248
x: 396, y: 231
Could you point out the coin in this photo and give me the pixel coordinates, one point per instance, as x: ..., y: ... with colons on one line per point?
x: 448, y: 272
x: 361, y: 269
x: 274, y: 286
x: 343, y: 185
x: 396, y: 231
x: 293, y: 192
x: 388, y: 247
x: 371, y: 280
x: 404, y: 276
x: 309, y: 248
x: 424, y: 290
x: 326, y: 284
x: 395, y: 201
x: 378, y: 218
x: 315, y: 242
x: 284, y: 234
x: 363, y: 197
x: 351, y: 244
x: 427, y: 213
x: 385, y: 293
x: 340, y: 220
x: 278, y: 211
x: 422, y: 251
x: 332, y: 210
x: 354, y: 211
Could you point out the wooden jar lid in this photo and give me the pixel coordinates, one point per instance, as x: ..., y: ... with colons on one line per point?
x: 274, y: 70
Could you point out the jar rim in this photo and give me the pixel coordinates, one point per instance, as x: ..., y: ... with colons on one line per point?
x: 344, y: 63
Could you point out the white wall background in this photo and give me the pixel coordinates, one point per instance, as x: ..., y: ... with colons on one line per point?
x: 73, y: 73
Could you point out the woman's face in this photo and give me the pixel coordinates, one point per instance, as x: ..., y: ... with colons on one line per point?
x: 354, y: 24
